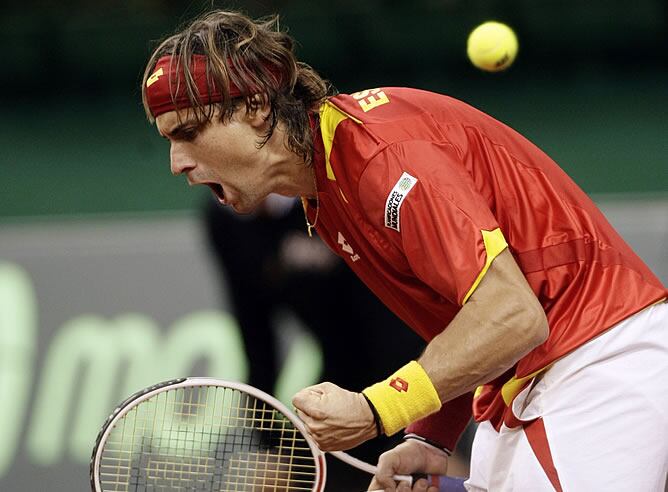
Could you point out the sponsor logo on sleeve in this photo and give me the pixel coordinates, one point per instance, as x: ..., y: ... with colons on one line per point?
x: 396, y: 198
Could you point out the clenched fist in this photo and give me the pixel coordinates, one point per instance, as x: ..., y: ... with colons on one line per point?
x: 337, y: 419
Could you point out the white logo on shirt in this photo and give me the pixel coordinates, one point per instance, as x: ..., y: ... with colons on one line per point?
x: 346, y: 248
x: 396, y: 198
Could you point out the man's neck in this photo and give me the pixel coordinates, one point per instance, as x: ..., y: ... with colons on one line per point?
x: 292, y: 175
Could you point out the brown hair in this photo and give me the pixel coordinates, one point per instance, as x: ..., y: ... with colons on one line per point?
x: 263, y: 62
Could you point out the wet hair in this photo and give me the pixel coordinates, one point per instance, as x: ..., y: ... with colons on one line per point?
x: 256, y: 57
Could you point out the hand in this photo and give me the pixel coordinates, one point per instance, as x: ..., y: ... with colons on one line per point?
x: 407, y: 458
x: 337, y: 419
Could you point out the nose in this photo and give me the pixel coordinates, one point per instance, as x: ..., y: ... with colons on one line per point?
x: 180, y: 161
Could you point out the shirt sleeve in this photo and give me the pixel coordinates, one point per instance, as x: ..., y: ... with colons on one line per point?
x: 442, y: 223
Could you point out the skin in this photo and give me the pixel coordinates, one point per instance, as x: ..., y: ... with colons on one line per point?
x: 226, y: 154
x: 406, y: 458
x: 501, y: 322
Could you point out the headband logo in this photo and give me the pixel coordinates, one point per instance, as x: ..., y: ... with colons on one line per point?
x: 154, y: 77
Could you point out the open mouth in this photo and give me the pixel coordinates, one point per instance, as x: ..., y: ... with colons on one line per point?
x: 218, y: 192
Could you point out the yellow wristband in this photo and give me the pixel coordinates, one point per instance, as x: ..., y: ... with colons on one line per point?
x: 404, y: 397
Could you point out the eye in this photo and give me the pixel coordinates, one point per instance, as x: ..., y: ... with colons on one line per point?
x: 188, y: 134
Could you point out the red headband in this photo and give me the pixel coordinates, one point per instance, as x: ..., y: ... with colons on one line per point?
x: 164, y: 80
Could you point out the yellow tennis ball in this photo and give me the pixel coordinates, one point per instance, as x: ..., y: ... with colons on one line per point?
x: 492, y: 46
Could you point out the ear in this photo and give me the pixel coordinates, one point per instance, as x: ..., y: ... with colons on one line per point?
x: 259, y: 110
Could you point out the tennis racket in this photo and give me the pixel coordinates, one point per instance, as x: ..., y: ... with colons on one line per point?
x: 203, y: 434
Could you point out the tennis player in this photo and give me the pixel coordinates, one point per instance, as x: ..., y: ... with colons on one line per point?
x: 541, y: 321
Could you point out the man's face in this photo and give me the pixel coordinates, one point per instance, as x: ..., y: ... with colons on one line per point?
x: 223, y: 155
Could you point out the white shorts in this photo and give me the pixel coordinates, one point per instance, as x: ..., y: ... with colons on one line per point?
x: 599, y: 419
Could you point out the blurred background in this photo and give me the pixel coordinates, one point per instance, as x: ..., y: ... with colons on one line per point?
x: 110, y: 276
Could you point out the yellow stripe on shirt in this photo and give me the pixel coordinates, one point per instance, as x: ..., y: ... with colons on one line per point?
x: 330, y: 117
x: 514, y: 385
x: 495, y: 243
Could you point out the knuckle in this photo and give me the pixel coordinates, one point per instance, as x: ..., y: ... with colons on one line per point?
x: 385, y: 456
x: 386, y: 459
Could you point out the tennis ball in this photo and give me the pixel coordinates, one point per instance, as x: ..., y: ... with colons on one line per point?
x: 492, y: 46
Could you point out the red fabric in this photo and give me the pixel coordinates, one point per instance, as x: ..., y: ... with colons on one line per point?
x: 445, y: 426
x: 166, y: 89
x: 473, y: 173
x: 535, y: 432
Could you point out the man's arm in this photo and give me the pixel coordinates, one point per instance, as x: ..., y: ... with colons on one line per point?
x: 501, y: 322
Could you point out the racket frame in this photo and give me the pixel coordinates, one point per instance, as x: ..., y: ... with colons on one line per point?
x: 137, y: 398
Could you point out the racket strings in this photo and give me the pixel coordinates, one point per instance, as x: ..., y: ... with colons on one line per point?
x: 205, y: 438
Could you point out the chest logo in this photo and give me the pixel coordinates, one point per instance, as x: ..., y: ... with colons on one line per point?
x: 346, y: 248
x: 395, y: 199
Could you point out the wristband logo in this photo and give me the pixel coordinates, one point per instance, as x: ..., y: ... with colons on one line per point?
x: 399, y: 384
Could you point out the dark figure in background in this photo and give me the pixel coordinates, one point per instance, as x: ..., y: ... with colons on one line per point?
x: 270, y: 264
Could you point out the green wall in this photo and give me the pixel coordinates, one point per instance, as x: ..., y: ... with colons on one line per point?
x: 590, y: 86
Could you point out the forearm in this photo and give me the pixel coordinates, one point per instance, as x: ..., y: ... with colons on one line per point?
x: 470, y: 352
x: 501, y: 322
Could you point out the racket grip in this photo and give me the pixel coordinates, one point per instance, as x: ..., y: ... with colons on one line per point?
x: 444, y: 484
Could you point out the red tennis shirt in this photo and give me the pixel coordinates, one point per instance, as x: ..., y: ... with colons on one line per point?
x: 418, y: 192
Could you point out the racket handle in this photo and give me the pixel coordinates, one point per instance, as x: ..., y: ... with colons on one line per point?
x: 444, y: 484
